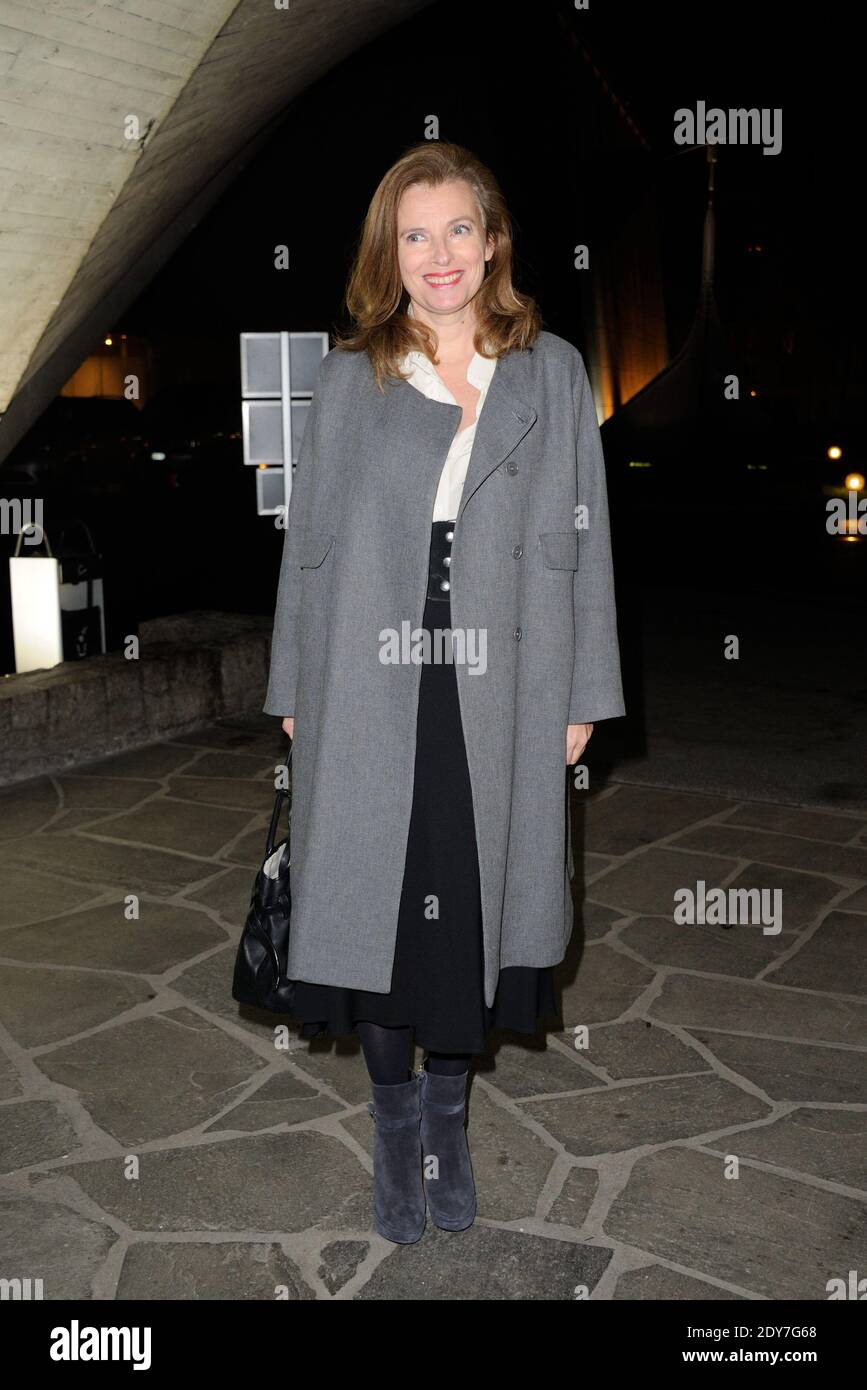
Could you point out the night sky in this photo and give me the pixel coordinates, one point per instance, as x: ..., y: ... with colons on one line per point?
x: 510, y: 86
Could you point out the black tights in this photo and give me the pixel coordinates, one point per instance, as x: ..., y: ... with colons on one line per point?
x: 386, y: 1052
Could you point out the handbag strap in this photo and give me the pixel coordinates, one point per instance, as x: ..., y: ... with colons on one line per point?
x: 278, y: 806
x: 41, y: 539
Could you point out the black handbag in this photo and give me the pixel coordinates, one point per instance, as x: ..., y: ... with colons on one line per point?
x: 260, y: 965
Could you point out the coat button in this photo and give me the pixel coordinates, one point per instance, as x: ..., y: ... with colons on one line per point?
x: 447, y: 559
x: 450, y: 535
x: 445, y: 585
x: 511, y: 467
x: 518, y: 634
x: 517, y: 551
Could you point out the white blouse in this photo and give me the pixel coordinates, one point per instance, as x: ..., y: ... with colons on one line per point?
x: 425, y: 378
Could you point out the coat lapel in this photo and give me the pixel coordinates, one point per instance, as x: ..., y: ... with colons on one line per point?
x: 506, y: 417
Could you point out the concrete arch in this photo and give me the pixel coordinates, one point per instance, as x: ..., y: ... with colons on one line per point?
x: 93, y: 203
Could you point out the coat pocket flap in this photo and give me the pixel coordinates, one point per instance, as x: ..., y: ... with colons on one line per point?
x: 315, y: 545
x: 560, y: 549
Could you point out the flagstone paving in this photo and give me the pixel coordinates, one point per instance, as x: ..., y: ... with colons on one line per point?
x: 692, y: 1127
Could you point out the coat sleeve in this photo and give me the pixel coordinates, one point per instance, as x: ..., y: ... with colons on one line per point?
x: 283, y: 676
x: 597, y: 691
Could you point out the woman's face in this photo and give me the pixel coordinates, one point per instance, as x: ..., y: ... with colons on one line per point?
x: 441, y: 246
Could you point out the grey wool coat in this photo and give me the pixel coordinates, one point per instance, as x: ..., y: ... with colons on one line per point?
x: 531, y: 567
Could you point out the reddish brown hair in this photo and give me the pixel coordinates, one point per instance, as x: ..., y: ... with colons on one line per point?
x: 375, y: 297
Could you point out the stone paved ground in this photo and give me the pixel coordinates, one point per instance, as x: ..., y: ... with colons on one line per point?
x: 155, y: 1143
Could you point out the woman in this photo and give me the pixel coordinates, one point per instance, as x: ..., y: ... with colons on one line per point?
x: 444, y: 640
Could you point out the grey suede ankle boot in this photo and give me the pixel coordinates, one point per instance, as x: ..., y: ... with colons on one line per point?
x: 448, y: 1174
x: 398, y: 1192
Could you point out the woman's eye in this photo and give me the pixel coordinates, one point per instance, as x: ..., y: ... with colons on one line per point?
x: 458, y: 227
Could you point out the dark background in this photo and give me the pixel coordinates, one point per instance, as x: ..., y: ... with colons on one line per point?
x: 513, y: 87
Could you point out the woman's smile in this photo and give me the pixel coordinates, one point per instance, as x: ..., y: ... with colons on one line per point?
x: 437, y: 281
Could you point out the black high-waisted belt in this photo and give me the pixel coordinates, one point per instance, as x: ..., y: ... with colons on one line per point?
x: 439, y: 582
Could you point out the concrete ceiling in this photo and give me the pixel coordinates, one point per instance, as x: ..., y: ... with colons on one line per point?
x: 88, y: 215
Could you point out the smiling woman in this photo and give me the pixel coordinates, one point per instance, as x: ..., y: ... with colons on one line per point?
x: 437, y: 232
x: 449, y: 447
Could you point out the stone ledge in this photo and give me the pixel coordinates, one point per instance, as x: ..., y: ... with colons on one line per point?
x: 192, y: 668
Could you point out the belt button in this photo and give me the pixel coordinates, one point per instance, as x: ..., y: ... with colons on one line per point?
x: 517, y: 551
x: 511, y: 467
x: 518, y: 634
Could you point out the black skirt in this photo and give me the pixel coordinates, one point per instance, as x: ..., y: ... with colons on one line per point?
x: 437, y: 984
